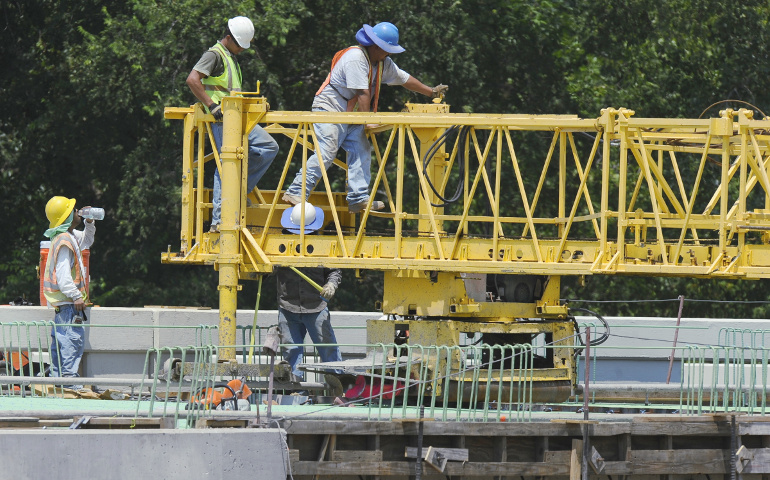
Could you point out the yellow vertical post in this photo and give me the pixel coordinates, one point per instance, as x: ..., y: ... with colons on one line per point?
x: 188, y: 194
x: 723, y: 127
x: 622, y: 182
x: 437, y: 164
x: 562, y: 180
x: 744, y: 136
x: 399, y: 189
x: 608, y: 123
x: 228, y: 260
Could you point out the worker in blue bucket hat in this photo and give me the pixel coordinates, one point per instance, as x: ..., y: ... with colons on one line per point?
x: 354, y: 83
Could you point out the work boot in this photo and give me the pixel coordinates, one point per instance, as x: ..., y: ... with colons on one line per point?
x: 214, y: 229
x: 292, y: 199
x: 357, y: 207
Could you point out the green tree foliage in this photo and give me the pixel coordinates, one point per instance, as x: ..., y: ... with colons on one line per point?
x: 86, y: 82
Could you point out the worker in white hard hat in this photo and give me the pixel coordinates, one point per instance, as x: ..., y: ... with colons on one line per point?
x: 354, y: 82
x: 302, y: 309
x: 216, y: 74
x: 64, y: 284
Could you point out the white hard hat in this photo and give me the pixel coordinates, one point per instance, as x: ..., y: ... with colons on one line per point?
x: 292, y: 218
x: 242, y: 30
x: 296, y: 214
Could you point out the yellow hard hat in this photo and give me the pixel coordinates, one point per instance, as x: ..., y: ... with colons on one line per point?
x: 58, y: 209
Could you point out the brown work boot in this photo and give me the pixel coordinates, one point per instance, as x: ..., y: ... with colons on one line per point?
x: 357, y: 207
x: 292, y: 199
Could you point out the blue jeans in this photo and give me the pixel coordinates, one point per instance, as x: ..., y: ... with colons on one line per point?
x: 262, y: 150
x: 67, y: 341
x: 293, y: 327
x: 331, y: 137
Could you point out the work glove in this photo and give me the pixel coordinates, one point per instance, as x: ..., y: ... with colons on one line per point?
x: 328, y: 291
x: 440, y: 90
x: 216, y: 110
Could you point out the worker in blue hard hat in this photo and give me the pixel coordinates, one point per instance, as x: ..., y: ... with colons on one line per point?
x: 354, y: 82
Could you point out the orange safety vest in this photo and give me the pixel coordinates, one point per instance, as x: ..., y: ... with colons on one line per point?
x: 374, y: 79
x: 51, y: 288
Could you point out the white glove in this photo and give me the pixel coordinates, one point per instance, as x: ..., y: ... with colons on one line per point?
x: 328, y: 291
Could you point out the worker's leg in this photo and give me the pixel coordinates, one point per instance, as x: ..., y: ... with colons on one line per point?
x: 67, y: 342
x: 359, y: 164
x: 319, y: 327
x: 262, y: 150
x: 216, y: 213
x: 329, y: 137
x: 292, y: 331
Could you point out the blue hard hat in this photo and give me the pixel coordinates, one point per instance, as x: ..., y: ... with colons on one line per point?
x: 384, y: 35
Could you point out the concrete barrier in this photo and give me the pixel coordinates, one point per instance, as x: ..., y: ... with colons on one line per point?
x: 131, y: 454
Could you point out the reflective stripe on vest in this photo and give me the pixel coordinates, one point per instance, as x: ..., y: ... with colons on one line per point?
x: 51, y: 288
x: 230, y: 80
x: 374, y: 79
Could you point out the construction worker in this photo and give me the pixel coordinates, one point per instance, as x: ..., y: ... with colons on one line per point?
x: 301, y: 307
x: 64, y: 284
x: 354, y: 81
x: 216, y: 74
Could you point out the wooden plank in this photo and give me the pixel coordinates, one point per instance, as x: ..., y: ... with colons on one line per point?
x: 356, y: 456
x: 293, y: 456
x: 753, y: 428
x: 709, y: 428
x: 575, y: 460
x: 113, y: 423
x: 435, y: 460
x: 760, y: 464
x: 624, y: 450
x: 507, y: 429
x: 649, y: 462
x: 468, y: 469
x: 20, y: 422
x: 742, y: 458
x: 220, y: 423
x: 596, y: 461
x: 451, y: 454
x: 675, y: 462
x: 557, y: 457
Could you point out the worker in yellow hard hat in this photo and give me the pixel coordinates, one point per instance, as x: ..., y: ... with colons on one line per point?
x: 354, y: 82
x: 64, y: 284
x: 211, y: 79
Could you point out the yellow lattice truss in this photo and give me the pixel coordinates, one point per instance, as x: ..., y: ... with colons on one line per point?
x: 538, y: 195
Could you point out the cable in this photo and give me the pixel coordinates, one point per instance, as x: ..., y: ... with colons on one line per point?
x: 694, y: 300
x: 736, y: 101
x: 605, y: 336
x: 460, y: 148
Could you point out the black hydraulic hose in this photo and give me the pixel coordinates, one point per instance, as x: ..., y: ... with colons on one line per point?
x: 462, y: 139
x: 599, y: 340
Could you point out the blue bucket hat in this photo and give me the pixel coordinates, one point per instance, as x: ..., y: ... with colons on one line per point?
x: 384, y: 35
x: 291, y: 218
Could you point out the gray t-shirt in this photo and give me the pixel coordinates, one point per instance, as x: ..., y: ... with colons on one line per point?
x: 210, y: 64
x: 351, y: 73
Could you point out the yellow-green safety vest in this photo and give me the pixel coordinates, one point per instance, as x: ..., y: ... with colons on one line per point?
x: 230, y: 80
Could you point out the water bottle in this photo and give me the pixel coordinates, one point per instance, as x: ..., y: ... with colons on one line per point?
x: 92, y: 213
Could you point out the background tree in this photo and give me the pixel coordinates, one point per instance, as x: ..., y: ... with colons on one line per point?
x: 86, y: 82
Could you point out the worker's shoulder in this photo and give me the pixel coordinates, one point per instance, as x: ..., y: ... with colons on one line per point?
x: 353, y: 54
